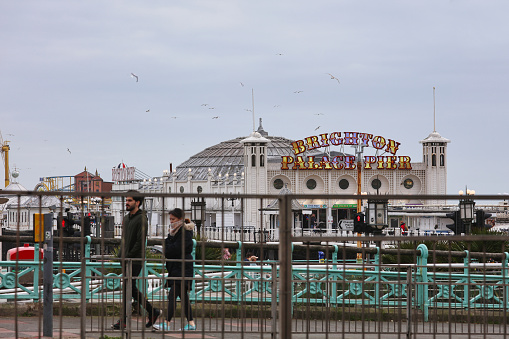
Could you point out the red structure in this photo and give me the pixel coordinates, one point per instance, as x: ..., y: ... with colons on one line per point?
x: 23, y: 253
x: 88, y: 182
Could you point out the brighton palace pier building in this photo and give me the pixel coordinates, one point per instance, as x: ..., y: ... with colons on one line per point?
x: 319, y: 164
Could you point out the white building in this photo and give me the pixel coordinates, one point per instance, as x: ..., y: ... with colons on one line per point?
x: 264, y: 164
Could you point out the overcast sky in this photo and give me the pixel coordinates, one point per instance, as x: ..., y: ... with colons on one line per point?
x: 67, y: 98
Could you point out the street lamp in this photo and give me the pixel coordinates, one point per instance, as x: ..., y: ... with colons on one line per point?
x: 377, y: 215
x: 198, y: 213
x: 467, y: 210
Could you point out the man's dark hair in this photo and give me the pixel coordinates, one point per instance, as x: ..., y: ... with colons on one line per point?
x: 135, y: 198
x: 177, y: 212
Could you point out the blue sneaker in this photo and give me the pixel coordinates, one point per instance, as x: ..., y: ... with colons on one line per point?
x: 161, y: 327
x: 188, y: 328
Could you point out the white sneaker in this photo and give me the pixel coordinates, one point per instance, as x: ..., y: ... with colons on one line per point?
x: 161, y: 327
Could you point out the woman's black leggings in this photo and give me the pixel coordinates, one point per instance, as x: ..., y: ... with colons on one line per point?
x: 176, y: 291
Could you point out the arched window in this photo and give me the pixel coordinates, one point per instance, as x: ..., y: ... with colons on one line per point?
x: 442, y: 160
x: 433, y: 160
x: 262, y: 162
x: 253, y: 160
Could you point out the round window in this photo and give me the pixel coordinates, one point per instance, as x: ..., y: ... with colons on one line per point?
x: 311, y: 184
x: 376, y: 184
x: 278, y: 184
x: 408, y: 183
x: 344, y: 184
x: 199, y: 189
x: 181, y: 189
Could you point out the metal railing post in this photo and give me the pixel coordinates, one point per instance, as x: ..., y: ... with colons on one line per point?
x: 273, y: 300
x: 409, y: 302
x: 285, y: 255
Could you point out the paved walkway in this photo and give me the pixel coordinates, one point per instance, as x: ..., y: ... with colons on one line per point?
x: 69, y: 327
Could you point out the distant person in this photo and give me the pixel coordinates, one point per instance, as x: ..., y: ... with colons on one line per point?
x: 404, y: 229
x: 179, y: 242
x: 312, y: 221
x: 250, y: 258
x: 133, y: 246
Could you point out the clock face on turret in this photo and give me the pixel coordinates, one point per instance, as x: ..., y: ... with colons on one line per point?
x: 408, y: 183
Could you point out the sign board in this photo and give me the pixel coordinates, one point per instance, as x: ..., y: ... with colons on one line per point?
x: 123, y: 174
x: 344, y: 206
x: 345, y: 224
x: 307, y: 211
x: 298, y: 161
x: 315, y: 206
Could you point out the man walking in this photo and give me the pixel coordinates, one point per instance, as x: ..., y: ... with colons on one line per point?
x: 133, y: 246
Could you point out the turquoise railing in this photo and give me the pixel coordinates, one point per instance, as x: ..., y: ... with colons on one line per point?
x: 420, y: 285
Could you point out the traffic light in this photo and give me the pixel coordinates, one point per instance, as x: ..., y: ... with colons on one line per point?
x: 87, y: 225
x: 358, y: 223
x: 457, y: 225
x: 64, y: 223
x: 480, y: 220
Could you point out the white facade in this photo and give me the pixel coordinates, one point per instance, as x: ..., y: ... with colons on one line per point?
x: 252, y: 165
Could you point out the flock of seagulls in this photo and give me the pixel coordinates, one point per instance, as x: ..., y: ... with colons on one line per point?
x: 241, y: 84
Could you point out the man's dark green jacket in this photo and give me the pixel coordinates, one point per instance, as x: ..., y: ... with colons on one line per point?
x: 135, y: 234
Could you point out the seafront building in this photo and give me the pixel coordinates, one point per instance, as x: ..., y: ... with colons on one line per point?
x: 264, y: 164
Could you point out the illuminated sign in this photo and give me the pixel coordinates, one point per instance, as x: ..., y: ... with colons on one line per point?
x: 123, y: 174
x: 347, y: 162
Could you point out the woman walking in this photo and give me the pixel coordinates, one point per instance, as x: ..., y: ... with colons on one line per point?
x: 178, y: 248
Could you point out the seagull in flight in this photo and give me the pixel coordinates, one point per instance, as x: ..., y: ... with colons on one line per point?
x: 68, y: 150
x: 333, y: 77
x: 204, y: 104
x: 173, y: 117
x: 318, y: 113
x: 215, y: 117
x: 147, y: 110
x: 298, y: 92
x: 276, y: 106
x: 134, y: 76
x: 242, y: 84
x: 212, y: 108
x: 279, y: 53
x: 317, y: 128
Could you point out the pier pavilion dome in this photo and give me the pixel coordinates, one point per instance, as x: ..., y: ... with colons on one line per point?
x: 227, y: 157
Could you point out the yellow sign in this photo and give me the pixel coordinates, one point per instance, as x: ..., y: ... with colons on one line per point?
x: 38, y: 227
x: 347, y: 162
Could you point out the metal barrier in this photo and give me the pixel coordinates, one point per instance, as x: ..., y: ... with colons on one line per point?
x: 403, y: 286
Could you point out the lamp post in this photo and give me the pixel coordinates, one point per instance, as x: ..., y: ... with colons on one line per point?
x: 466, y: 206
x: 198, y: 213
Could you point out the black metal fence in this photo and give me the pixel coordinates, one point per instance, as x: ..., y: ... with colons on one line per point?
x: 300, y: 286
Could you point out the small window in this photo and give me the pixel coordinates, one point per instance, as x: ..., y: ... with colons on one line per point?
x: 311, y: 184
x: 344, y: 184
x: 278, y: 184
x: 408, y: 183
x: 376, y: 184
x: 253, y: 160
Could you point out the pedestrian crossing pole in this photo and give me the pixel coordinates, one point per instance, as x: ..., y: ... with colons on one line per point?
x: 43, y: 232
